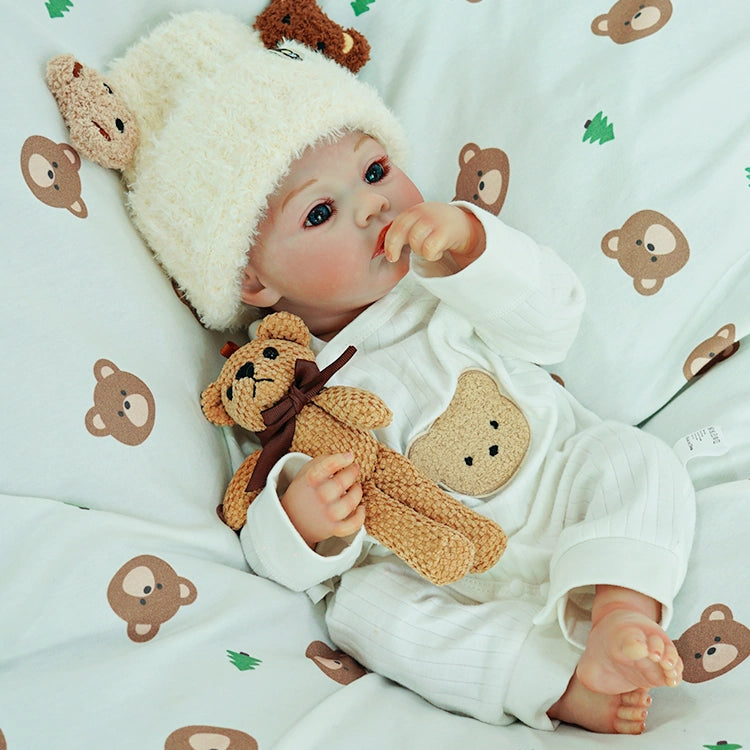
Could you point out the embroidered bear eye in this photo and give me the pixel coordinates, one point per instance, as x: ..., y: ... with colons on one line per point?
x: 468, y: 460
x: 494, y: 424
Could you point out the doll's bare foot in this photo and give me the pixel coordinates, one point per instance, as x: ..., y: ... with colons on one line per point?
x: 611, y: 714
x: 626, y: 650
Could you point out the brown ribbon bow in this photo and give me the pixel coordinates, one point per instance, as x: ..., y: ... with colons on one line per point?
x: 281, y: 418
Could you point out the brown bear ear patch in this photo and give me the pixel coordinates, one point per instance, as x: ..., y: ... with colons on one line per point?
x: 477, y: 444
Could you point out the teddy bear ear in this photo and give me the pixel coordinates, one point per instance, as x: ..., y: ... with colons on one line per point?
x: 286, y: 326
x: 213, y: 406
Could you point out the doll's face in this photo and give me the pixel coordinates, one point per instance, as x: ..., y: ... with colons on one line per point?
x: 318, y: 252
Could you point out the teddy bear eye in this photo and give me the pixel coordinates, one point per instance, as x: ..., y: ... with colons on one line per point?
x: 494, y: 424
x: 468, y: 460
x: 270, y: 353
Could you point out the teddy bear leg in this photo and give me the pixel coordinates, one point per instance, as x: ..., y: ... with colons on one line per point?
x: 440, y: 554
x: 398, y: 477
x: 236, y: 499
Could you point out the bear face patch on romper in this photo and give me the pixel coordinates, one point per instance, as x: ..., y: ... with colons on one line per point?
x: 477, y: 444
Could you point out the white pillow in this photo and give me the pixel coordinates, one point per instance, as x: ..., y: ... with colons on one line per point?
x: 538, y: 82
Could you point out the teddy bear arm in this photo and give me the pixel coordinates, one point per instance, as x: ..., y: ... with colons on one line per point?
x: 399, y: 478
x: 354, y: 407
x: 236, y: 499
x: 438, y: 553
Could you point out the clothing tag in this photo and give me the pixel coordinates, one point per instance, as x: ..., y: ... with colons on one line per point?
x: 708, y: 441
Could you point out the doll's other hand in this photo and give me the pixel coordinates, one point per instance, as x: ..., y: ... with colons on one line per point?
x: 325, y: 499
x: 432, y: 229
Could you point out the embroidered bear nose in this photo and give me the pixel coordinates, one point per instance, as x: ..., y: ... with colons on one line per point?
x: 246, y: 371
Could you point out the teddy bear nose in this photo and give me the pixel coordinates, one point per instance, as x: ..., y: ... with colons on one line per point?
x: 246, y: 371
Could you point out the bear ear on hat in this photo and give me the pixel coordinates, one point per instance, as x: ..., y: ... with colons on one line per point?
x: 304, y: 21
x: 286, y: 326
x: 102, y: 126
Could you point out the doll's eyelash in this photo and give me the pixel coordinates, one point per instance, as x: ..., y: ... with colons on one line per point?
x: 378, y: 170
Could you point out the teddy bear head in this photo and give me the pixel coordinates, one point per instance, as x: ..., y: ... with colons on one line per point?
x: 483, y: 177
x: 258, y: 375
x: 101, y: 125
x: 51, y: 172
x: 649, y: 247
x: 629, y: 20
x: 713, y: 646
x: 711, y: 351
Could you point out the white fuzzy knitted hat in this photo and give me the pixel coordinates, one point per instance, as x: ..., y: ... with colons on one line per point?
x: 221, y: 120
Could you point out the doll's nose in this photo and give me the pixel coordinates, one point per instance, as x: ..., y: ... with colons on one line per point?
x: 246, y: 371
x: 370, y: 204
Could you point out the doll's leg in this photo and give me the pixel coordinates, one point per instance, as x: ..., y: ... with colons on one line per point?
x: 629, y: 515
x: 627, y: 653
x: 486, y: 660
x: 626, y: 647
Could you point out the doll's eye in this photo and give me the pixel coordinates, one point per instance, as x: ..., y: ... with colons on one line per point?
x: 320, y: 214
x: 270, y: 353
x: 377, y: 171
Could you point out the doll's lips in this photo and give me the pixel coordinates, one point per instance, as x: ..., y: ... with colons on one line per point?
x: 380, y: 245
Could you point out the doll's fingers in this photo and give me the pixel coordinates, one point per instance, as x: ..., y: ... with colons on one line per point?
x: 396, y: 238
x: 343, y: 504
x: 335, y: 487
x: 323, y: 468
x: 351, y: 524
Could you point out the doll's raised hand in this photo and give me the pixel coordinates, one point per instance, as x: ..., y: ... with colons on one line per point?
x: 432, y: 229
x: 324, y: 499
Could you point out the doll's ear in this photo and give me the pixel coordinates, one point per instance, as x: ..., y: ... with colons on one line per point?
x: 213, y: 406
x: 254, y: 293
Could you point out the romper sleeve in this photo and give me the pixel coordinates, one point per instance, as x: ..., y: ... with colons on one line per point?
x: 274, y: 549
x: 520, y: 297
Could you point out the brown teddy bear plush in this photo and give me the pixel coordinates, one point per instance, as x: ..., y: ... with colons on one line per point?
x: 273, y: 387
x: 305, y: 22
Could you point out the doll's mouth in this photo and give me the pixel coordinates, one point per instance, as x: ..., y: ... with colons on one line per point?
x: 380, y: 244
